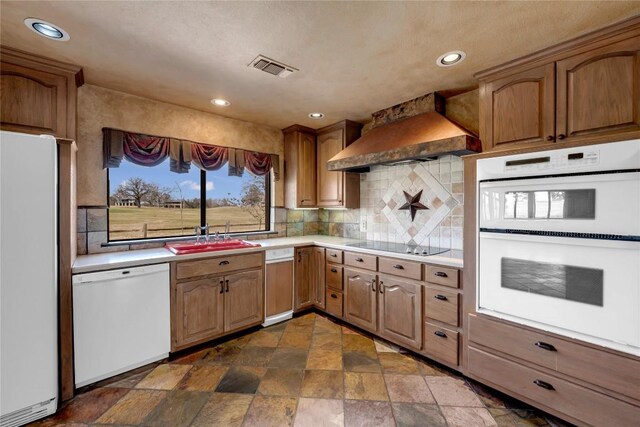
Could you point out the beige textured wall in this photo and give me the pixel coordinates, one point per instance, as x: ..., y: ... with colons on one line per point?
x: 99, y: 107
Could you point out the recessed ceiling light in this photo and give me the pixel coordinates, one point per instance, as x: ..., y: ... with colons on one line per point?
x: 451, y: 58
x: 316, y: 115
x: 220, y: 102
x: 46, y: 29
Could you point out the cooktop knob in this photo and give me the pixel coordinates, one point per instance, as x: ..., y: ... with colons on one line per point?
x: 416, y: 251
x: 409, y: 250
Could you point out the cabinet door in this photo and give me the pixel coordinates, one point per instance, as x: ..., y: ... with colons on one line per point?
x: 199, y: 310
x: 330, y: 183
x: 304, y: 278
x: 518, y: 109
x: 319, y: 282
x: 33, y: 101
x: 243, y: 302
x: 599, y: 91
x: 306, y: 171
x: 279, y: 286
x: 400, y: 310
x: 361, y: 298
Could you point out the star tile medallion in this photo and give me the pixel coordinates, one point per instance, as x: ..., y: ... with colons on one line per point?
x: 413, y: 204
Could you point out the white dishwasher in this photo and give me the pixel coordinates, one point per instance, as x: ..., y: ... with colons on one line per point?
x: 120, y: 321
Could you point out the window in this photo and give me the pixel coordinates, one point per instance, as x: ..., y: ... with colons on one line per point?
x: 152, y: 202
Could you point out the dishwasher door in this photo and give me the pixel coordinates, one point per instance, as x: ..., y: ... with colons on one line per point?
x: 278, y: 284
x: 120, y: 321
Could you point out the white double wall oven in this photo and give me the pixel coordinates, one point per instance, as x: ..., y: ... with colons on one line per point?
x: 559, y: 242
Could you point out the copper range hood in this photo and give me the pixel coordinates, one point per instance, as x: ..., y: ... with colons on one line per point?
x: 422, y: 137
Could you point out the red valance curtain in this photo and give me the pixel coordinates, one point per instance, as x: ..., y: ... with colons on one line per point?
x: 147, y: 150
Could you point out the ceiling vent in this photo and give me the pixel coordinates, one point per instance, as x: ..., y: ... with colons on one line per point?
x: 270, y: 66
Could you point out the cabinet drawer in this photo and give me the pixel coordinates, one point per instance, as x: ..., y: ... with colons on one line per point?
x: 565, y: 397
x: 441, y: 305
x: 333, y: 276
x: 608, y: 370
x: 217, y: 265
x: 334, y: 303
x: 334, y: 255
x: 408, y: 269
x: 441, y: 343
x: 368, y: 262
x: 441, y: 276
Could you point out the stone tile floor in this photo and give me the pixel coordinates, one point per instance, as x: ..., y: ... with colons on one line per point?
x: 308, y: 371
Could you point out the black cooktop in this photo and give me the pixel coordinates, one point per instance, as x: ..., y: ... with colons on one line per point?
x: 399, y: 248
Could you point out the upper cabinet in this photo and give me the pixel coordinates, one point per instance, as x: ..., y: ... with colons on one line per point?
x: 337, y: 189
x: 300, y: 167
x: 587, y: 88
x: 38, y: 94
x: 599, y: 91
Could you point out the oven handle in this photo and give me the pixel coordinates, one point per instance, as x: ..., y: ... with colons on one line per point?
x: 569, y: 241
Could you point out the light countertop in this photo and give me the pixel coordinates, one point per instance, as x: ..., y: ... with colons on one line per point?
x: 133, y: 258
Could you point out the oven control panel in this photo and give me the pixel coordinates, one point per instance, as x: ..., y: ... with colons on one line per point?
x: 551, y: 161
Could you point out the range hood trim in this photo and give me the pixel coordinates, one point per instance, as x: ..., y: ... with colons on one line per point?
x: 415, y: 138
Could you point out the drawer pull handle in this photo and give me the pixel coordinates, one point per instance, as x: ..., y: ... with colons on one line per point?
x: 373, y: 285
x: 545, y: 346
x: 333, y: 270
x: 334, y: 296
x: 359, y: 260
x: 381, y: 287
x: 440, y: 297
x: 223, y: 263
x: 398, y: 266
x: 544, y: 385
x: 441, y: 274
x: 440, y: 334
x: 221, y: 286
x: 227, y: 285
x: 562, y: 136
x: 333, y: 255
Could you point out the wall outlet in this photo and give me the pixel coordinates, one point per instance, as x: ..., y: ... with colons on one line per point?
x: 363, y: 224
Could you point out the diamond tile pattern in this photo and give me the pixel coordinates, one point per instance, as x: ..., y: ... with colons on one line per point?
x: 310, y: 371
x: 412, y: 179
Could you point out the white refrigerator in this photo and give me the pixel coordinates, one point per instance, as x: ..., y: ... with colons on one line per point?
x: 28, y: 278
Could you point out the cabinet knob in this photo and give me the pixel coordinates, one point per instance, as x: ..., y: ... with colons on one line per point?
x: 544, y: 385
x: 333, y: 270
x: 562, y: 136
x: 550, y: 138
x: 334, y: 296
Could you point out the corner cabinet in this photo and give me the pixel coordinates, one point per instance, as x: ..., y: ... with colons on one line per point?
x: 215, y: 297
x: 309, y: 278
x: 299, y: 167
x: 337, y: 189
x: 38, y: 94
x: 583, y: 90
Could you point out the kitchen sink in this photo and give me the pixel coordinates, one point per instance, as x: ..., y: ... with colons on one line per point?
x: 222, y: 245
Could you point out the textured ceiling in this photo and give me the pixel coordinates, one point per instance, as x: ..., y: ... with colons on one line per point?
x: 354, y: 57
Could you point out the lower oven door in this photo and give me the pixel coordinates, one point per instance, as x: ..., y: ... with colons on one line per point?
x: 587, y: 289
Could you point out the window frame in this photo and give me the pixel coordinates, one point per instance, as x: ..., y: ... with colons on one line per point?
x: 203, y: 213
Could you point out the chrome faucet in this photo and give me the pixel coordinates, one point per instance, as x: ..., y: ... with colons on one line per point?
x: 199, y: 230
x: 226, y: 230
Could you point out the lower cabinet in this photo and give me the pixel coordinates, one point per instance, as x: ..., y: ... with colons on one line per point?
x: 208, y: 307
x: 400, y: 311
x: 199, y: 310
x: 310, y: 286
x: 361, y: 298
x: 319, y: 287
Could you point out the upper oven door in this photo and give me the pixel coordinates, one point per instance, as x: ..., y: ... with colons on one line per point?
x: 601, y: 203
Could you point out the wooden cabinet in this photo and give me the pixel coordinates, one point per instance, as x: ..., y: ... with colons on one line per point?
x: 319, y: 287
x: 361, y: 298
x: 208, y: 304
x: 518, y: 109
x: 243, y: 300
x: 598, y: 92
x: 400, y: 311
x: 200, y: 310
x: 299, y: 167
x: 38, y: 94
x: 336, y: 189
x: 303, y: 293
x: 584, y: 89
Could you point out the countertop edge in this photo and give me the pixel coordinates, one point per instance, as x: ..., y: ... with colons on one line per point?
x: 133, y: 258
